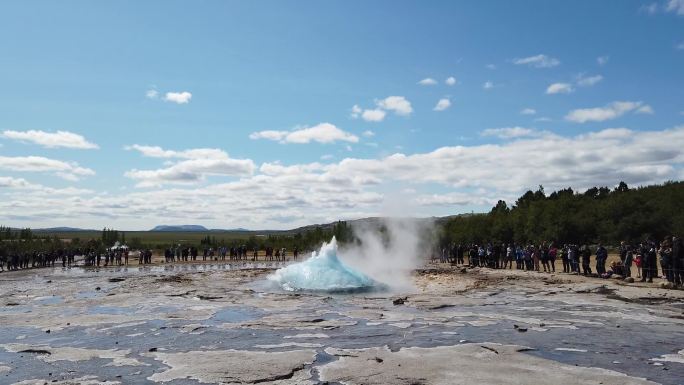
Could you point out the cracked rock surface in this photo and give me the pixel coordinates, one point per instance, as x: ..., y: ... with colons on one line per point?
x: 189, y: 324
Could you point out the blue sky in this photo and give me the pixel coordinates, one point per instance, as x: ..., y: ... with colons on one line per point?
x: 274, y: 114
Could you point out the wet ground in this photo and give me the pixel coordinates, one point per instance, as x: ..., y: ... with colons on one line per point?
x: 224, y: 323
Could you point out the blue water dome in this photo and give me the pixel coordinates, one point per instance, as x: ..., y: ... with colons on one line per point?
x: 323, y: 271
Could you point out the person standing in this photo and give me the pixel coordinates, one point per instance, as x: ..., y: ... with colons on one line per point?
x: 652, y: 256
x: 601, y: 257
x: 586, y: 260
x: 678, y: 261
x: 665, y: 252
x: 565, y: 259
x: 629, y: 257
x: 553, y: 253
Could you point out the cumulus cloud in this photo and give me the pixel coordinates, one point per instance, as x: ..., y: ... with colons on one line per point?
x: 399, y: 104
x: 608, y: 112
x: 9, y: 182
x: 62, y: 169
x: 528, y: 111
x: 178, y: 97
x: 374, y: 115
x: 454, y: 199
x: 368, y: 133
x: 559, y: 88
x: 450, y: 81
x: 488, y: 85
x: 428, y: 82
x: 442, y: 104
x: 285, y: 196
x: 63, y: 139
x: 369, y: 115
x: 321, y: 133
x: 588, y: 81
x: 537, y: 61
x: 24, y: 185
x: 191, y: 166
x: 510, y: 132
x: 152, y: 94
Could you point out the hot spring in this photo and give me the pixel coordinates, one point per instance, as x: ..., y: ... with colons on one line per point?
x: 323, y: 271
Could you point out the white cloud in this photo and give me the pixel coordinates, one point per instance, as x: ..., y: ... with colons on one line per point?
x: 374, y: 115
x: 321, y: 133
x: 9, y: 182
x: 269, y: 134
x: 286, y: 196
x: 528, y: 111
x: 65, y: 170
x: 178, y: 97
x: 368, y: 133
x: 608, y: 112
x: 510, y: 132
x: 559, y: 88
x: 356, y: 111
x: 488, y: 85
x: 398, y: 104
x: 645, y: 109
x: 158, y: 152
x: 602, y: 60
x: 24, y: 185
x: 542, y: 119
x: 675, y: 6
x: 63, y: 139
x: 428, y: 82
x: 194, y: 166
x: 450, y: 81
x: 152, y: 94
x: 588, y: 81
x: 442, y: 104
x: 453, y: 199
x: 327, y: 157
x: 538, y: 61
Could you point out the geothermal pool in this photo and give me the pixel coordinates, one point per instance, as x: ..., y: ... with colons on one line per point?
x: 225, y: 323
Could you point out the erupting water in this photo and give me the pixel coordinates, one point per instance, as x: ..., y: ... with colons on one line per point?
x: 323, y: 271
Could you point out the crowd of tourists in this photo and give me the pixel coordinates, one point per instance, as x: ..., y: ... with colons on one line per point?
x: 643, y: 258
x: 94, y: 257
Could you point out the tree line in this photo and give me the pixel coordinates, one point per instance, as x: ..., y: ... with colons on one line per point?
x: 597, y: 215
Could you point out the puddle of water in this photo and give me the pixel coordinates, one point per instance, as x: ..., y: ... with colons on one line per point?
x: 52, y: 300
x: 235, y: 314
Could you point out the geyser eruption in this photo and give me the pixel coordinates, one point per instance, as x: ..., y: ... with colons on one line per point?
x: 323, y: 271
x: 382, y: 255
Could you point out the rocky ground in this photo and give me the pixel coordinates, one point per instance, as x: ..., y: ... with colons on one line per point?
x: 190, y: 324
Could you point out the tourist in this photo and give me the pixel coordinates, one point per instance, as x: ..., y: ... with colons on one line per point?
x: 601, y: 258
x: 629, y: 258
x: 678, y: 261
x: 586, y: 260
x: 665, y: 252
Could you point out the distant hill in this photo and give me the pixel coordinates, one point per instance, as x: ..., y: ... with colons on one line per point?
x: 60, y: 229
x: 176, y: 228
